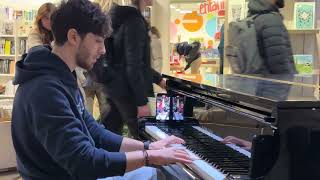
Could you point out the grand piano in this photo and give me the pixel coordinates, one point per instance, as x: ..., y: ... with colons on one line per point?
x: 287, y: 105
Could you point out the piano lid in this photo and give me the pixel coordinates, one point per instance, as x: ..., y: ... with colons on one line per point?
x: 266, y: 91
x: 299, y: 79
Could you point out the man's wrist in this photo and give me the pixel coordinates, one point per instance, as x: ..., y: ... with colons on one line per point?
x: 152, y: 147
x: 146, y: 145
x: 146, y: 158
x: 151, y: 156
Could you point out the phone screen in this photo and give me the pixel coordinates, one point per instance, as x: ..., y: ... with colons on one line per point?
x: 163, y: 107
x: 178, y: 108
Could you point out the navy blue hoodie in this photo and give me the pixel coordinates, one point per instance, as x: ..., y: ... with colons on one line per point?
x: 53, y: 134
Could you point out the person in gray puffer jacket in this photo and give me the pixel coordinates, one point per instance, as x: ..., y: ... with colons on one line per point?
x: 273, y: 37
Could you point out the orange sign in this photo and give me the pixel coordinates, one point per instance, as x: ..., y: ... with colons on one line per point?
x: 212, y: 6
x: 192, y: 21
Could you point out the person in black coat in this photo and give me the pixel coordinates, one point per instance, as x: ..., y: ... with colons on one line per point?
x: 273, y: 37
x: 130, y: 88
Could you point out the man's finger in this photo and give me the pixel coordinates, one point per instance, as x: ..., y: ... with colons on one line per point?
x: 184, y: 161
x: 177, y: 139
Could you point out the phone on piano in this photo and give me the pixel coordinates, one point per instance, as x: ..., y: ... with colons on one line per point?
x: 162, y: 107
x: 178, y: 107
x: 169, y: 107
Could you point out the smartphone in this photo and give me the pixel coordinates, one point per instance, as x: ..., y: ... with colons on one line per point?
x: 163, y: 107
x: 178, y: 108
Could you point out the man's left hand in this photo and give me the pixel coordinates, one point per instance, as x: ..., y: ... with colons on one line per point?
x: 166, y: 143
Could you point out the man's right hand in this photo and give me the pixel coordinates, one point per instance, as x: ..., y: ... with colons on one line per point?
x: 143, y: 111
x: 169, y: 156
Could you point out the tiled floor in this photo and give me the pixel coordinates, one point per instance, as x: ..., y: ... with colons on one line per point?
x: 10, y: 175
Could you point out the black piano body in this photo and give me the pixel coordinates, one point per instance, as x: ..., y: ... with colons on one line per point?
x: 289, y: 108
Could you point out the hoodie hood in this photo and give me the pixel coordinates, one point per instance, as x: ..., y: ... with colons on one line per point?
x: 261, y: 6
x: 120, y: 14
x: 40, y: 61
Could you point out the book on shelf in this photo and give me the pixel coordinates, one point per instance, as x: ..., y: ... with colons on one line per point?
x: 304, y: 15
x: 24, y: 20
x: 12, y: 14
x: 2, y: 42
x: 5, y: 114
x: 5, y: 66
x: 303, y: 63
x: 23, y: 44
x: 10, y: 89
x: 7, y: 46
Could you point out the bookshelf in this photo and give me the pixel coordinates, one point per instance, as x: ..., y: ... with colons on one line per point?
x: 6, y: 36
x: 7, y: 96
x: 303, y: 31
x: 15, y: 25
x: 7, y: 75
x: 7, y: 55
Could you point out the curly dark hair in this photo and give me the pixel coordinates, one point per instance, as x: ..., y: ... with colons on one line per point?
x: 81, y: 15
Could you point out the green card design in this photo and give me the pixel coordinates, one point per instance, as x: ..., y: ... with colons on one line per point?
x: 304, y: 15
x: 304, y: 63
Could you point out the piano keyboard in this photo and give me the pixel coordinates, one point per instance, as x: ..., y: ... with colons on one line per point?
x: 214, y: 160
x: 237, y: 148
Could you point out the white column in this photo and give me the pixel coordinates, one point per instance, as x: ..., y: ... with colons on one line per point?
x: 160, y: 18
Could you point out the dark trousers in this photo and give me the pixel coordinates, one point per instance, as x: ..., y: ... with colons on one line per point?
x: 123, y: 110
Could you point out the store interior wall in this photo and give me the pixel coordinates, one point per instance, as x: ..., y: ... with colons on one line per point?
x: 318, y: 26
x: 160, y: 18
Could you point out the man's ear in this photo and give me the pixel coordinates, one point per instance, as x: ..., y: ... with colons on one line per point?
x: 149, y: 2
x: 73, y: 37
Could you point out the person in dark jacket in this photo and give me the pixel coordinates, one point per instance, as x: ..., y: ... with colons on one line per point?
x: 221, y: 50
x: 130, y: 88
x: 53, y: 134
x: 273, y: 37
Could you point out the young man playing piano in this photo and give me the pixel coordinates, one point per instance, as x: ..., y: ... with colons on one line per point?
x: 53, y: 134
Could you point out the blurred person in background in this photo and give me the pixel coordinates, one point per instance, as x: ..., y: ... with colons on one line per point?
x: 156, y: 61
x: 89, y: 82
x: 156, y: 49
x: 41, y: 34
x: 131, y: 85
x: 273, y: 38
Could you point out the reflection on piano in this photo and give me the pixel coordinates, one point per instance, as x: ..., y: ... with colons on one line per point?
x: 293, y: 117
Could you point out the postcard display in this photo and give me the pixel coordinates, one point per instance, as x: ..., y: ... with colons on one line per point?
x: 305, y: 46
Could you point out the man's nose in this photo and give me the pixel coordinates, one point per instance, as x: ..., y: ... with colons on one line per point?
x: 103, y: 50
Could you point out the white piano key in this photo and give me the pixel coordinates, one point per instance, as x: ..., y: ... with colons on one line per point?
x: 155, y: 132
x: 201, y: 167
x: 237, y: 148
x: 191, y: 154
